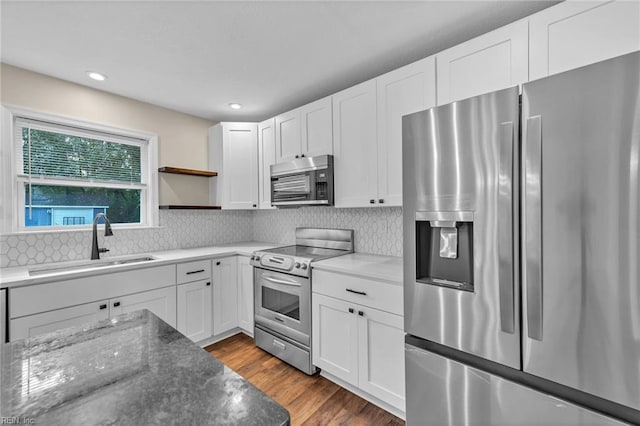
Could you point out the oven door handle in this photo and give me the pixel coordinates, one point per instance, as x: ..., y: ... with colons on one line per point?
x: 285, y: 282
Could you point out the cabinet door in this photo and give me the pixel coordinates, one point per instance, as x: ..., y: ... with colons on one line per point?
x: 266, y: 157
x: 403, y: 91
x: 240, y: 156
x: 335, y: 337
x: 225, y: 294
x: 573, y: 34
x: 194, y: 310
x: 245, y: 294
x: 493, y: 61
x: 288, y: 136
x: 381, y: 355
x: 32, y: 325
x: 161, y: 302
x: 317, y: 130
x: 355, y: 146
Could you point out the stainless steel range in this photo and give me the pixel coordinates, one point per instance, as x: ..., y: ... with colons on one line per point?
x: 282, y: 280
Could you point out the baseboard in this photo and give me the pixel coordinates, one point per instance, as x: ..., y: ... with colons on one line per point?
x: 215, y: 339
x: 362, y: 394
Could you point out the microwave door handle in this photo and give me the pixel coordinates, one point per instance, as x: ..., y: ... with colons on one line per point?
x: 299, y: 188
x: 285, y: 282
x: 532, y: 227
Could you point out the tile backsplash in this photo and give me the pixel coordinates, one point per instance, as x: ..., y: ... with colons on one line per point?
x: 178, y: 229
x: 377, y: 231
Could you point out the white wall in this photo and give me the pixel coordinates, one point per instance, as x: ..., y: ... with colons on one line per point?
x: 182, y: 139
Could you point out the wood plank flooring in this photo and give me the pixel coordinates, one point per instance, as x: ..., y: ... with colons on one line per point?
x: 311, y: 400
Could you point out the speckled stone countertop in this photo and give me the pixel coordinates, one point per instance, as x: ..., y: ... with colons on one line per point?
x: 131, y: 370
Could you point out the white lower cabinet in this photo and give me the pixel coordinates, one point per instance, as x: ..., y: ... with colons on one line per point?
x: 161, y: 302
x: 245, y: 294
x: 381, y: 355
x: 361, y: 345
x: 335, y: 337
x: 32, y: 325
x: 194, y: 309
x: 225, y: 294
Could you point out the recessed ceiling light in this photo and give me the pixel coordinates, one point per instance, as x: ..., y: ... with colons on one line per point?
x: 234, y: 105
x: 96, y: 76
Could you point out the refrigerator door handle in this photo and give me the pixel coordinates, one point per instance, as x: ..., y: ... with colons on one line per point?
x: 505, y: 228
x: 533, y: 229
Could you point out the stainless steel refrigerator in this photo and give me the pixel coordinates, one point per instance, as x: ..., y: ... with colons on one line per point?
x: 521, y: 226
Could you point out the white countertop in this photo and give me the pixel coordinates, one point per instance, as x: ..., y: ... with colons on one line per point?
x: 387, y: 268
x: 19, y: 276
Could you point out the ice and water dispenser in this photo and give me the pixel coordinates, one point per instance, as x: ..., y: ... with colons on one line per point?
x: 444, y: 249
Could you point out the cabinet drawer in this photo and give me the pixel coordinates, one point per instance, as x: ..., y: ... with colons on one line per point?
x: 377, y: 294
x: 34, y: 299
x: 194, y: 271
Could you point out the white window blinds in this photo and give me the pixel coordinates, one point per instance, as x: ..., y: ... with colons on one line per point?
x: 56, y: 151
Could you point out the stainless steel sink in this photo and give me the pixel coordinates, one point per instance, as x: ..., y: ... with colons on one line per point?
x: 88, y: 265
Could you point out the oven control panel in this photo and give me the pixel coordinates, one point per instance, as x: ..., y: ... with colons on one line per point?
x: 290, y: 264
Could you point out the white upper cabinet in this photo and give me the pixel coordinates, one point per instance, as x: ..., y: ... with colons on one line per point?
x: 317, y: 131
x: 266, y: 157
x: 400, y: 92
x: 305, y: 131
x: 492, y: 61
x: 288, y: 142
x: 233, y: 153
x: 355, y: 145
x: 573, y: 34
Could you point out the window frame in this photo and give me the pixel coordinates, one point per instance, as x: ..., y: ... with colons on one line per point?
x: 14, y: 181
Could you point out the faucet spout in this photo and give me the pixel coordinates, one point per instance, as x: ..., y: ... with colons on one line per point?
x: 95, y: 250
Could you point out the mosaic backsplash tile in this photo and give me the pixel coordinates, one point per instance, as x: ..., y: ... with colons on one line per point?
x: 377, y: 231
x: 178, y: 229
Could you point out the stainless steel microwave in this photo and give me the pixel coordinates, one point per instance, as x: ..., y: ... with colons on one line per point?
x: 303, y: 182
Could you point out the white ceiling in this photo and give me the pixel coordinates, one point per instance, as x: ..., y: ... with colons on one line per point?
x: 270, y: 56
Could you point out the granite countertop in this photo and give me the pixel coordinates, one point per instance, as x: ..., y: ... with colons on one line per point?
x: 133, y: 369
x: 386, y: 268
x: 19, y: 276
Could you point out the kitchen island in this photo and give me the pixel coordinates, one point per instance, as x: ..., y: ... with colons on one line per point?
x: 132, y: 369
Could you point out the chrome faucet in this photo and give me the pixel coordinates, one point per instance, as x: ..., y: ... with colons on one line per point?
x: 95, y: 251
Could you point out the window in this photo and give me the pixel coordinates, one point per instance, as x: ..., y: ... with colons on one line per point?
x: 64, y: 173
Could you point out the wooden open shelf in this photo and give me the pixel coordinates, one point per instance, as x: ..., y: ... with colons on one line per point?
x: 191, y: 172
x: 184, y: 207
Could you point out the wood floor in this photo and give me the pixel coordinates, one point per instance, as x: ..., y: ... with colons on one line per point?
x: 311, y: 400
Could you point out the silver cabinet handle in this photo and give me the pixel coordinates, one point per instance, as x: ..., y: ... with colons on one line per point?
x: 285, y: 282
x: 505, y: 229
x: 532, y: 226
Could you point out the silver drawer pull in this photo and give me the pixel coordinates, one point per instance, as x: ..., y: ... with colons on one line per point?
x: 362, y: 293
x: 279, y: 345
x: 195, y: 272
